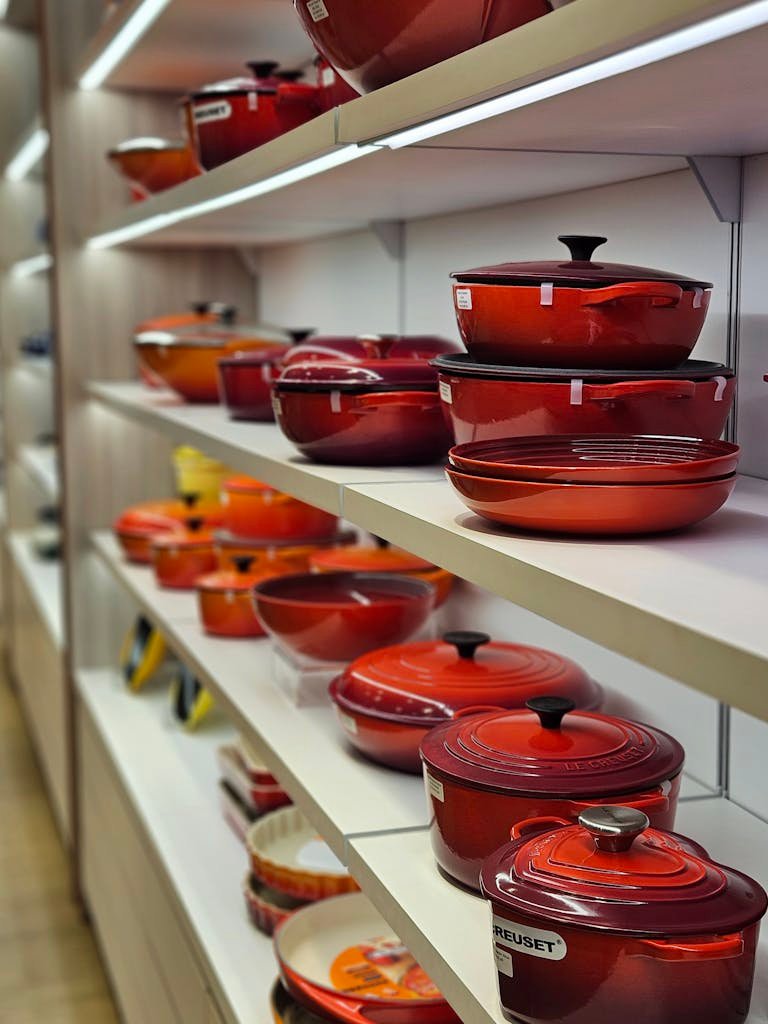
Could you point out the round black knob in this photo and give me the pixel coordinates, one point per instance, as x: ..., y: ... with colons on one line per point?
x: 194, y: 524
x: 551, y: 710
x: 243, y: 562
x: 582, y: 246
x: 466, y: 641
x: 262, y: 68
x: 299, y: 334
x: 381, y: 543
x: 190, y: 498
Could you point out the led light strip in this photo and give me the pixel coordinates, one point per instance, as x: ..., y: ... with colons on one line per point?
x: 337, y: 158
x: 723, y: 26
x: 4, y: 5
x: 122, y: 43
x: 32, y: 149
x: 32, y: 265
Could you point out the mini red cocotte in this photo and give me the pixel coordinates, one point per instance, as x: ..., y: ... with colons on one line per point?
x: 490, y: 771
x: 610, y: 920
x: 181, y: 557
x: 254, y: 509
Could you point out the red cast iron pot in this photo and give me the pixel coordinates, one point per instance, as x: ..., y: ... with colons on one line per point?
x: 254, y: 509
x: 245, y: 382
x: 610, y: 920
x: 580, y: 313
x: 484, y: 402
x: 353, y: 348
x: 388, y: 701
x: 332, y: 90
x: 489, y: 771
x: 368, y: 413
x: 371, y: 44
x: 225, y: 600
x: 230, y: 118
x: 138, y: 525
x: 339, y: 616
x: 180, y: 558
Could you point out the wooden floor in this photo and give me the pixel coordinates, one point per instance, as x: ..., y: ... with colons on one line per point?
x: 50, y: 972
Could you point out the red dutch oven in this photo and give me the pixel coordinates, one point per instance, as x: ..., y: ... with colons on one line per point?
x: 232, y: 117
x: 181, y: 557
x: 388, y: 700
x: 225, y: 599
x: 378, y: 412
x: 254, y: 509
x: 245, y: 382
x: 352, y: 348
x: 374, y: 44
x: 489, y: 771
x: 610, y: 920
x: 485, y: 402
x: 580, y: 313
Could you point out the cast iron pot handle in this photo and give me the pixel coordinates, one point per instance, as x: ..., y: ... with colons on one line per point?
x: 535, y: 826
x: 661, y: 293
x: 715, y: 947
x: 626, y: 390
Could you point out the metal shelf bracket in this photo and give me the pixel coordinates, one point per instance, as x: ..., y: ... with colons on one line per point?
x: 721, y: 178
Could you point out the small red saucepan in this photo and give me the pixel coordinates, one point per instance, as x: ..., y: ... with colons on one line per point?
x: 387, y: 701
x: 245, y: 380
x: 180, y: 558
x: 609, y: 920
x: 138, y: 525
x: 486, y: 772
x: 579, y: 313
x: 225, y: 600
x: 254, y: 509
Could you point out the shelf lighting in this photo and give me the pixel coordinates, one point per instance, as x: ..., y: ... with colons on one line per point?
x: 158, y: 221
x: 4, y: 5
x: 714, y: 29
x: 32, y: 265
x: 122, y: 43
x: 32, y: 149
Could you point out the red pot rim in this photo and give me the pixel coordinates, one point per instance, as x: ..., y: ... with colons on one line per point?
x: 342, y: 559
x: 401, y: 588
x: 462, y: 365
x: 225, y: 539
x: 360, y: 376
x: 500, y: 484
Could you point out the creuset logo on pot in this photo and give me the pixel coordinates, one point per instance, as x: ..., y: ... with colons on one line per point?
x: 317, y: 10
x: 510, y: 937
x: 218, y: 111
x: 630, y: 755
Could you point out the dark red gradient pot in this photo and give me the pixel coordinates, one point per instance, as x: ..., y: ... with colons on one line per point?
x: 366, y: 413
x: 246, y: 380
x: 487, y: 772
x: 338, y: 616
x: 372, y: 45
x: 610, y: 920
x: 579, y: 313
x: 484, y: 402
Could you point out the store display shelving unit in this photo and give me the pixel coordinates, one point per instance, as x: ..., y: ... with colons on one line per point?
x: 646, y: 115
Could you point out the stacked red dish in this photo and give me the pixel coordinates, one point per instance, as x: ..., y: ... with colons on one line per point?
x: 247, y: 788
x: 594, y: 483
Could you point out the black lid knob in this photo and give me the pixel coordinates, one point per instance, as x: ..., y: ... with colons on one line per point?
x: 194, y: 523
x: 551, y: 710
x: 299, y: 334
x: 190, y: 498
x: 262, y: 68
x: 289, y: 76
x: 582, y: 246
x: 381, y: 543
x: 243, y: 562
x: 466, y: 641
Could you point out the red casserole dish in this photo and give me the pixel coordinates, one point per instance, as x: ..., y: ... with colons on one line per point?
x: 225, y: 601
x: 580, y: 313
x: 351, y: 348
x: 245, y: 381
x: 484, y: 402
x: 610, y: 920
x: 597, y: 510
x: 388, y: 700
x: 365, y: 413
x: 254, y: 509
x: 487, y: 772
x: 372, y: 45
x: 181, y: 557
x: 340, y: 615
x: 598, y: 458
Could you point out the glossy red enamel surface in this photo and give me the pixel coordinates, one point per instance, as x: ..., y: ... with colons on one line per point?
x: 372, y: 45
x: 360, y: 375
x: 252, y: 509
x: 371, y: 346
x: 246, y: 383
x: 292, y: 555
x: 383, y: 559
x: 333, y: 91
x: 591, y: 509
x: 179, y: 561
x: 339, y: 616
x: 225, y: 599
x: 150, y: 170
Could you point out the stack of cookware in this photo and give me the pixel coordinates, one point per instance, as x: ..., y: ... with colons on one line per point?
x: 247, y: 788
x: 580, y: 371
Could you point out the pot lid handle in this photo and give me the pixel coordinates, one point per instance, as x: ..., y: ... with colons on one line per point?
x: 381, y: 542
x: 551, y: 710
x: 243, y: 562
x: 466, y: 641
x: 299, y: 334
x: 190, y: 498
x: 262, y: 68
x: 614, y: 829
x: 582, y: 246
x: 289, y: 76
x: 194, y: 523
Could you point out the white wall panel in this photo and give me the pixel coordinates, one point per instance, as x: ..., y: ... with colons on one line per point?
x: 748, y: 762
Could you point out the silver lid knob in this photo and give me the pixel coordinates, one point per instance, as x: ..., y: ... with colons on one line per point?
x: 614, y: 829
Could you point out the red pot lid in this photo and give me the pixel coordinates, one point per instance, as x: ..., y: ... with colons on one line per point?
x: 258, y: 357
x: 462, y: 366
x: 426, y: 683
x: 550, y: 749
x: 361, y: 559
x: 581, y: 271
x: 247, y: 485
x: 262, y: 80
x: 239, y: 579
x: 612, y: 872
x: 194, y: 535
x: 371, y: 346
x: 225, y: 539
x: 364, y: 375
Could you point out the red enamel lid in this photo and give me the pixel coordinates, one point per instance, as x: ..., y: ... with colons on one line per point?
x: 357, y: 558
x: 256, y: 357
x: 194, y: 535
x: 247, y: 485
x: 426, y: 683
x: 553, y: 750
x: 363, y: 375
x: 612, y: 872
x: 579, y: 271
x: 225, y: 539
x: 239, y: 579
x: 371, y: 346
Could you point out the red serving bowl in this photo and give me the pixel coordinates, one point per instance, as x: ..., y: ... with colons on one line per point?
x: 599, y: 510
x: 598, y: 458
x: 354, y: 558
x: 254, y: 509
x: 483, y: 402
x: 246, y: 379
x: 372, y: 45
x: 153, y: 165
x: 339, y: 616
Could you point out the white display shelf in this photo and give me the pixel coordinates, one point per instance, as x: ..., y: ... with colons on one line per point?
x: 41, y: 366
x: 256, y: 448
x: 203, y: 860
x: 43, y: 578
x: 41, y: 462
x: 341, y: 794
x: 448, y: 930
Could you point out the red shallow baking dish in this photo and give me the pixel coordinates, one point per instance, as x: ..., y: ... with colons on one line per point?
x: 598, y: 458
x: 610, y: 920
x: 267, y: 908
x: 254, y: 509
x: 579, y: 312
x: 364, y: 412
x: 387, y: 701
x: 489, y: 771
x: 484, y: 402
x: 598, y: 510
x: 340, y: 615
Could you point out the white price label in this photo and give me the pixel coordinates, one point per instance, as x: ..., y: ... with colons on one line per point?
x: 463, y: 298
x: 350, y: 725
x: 317, y: 10
x: 435, y: 788
x: 504, y: 962
x: 218, y: 111
x: 445, y: 392
x: 276, y: 404
x: 329, y: 77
